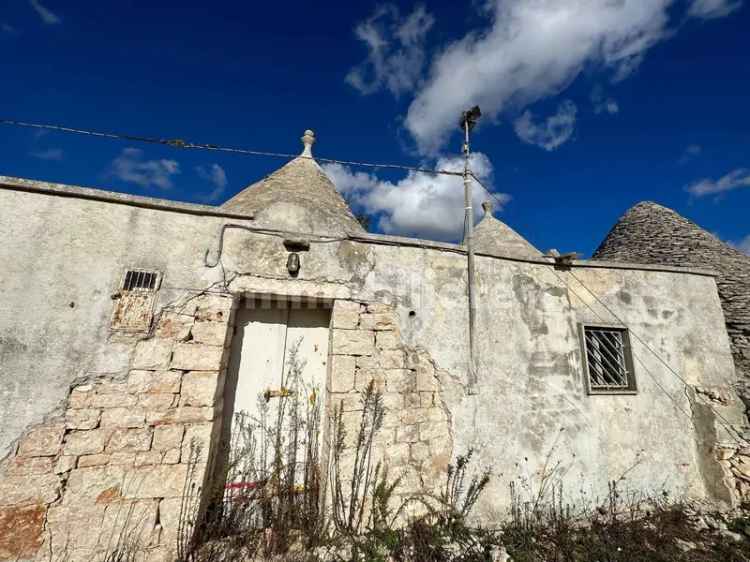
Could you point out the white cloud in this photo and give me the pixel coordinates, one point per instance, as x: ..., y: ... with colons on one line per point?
x: 532, y: 50
x: 48, y: 154
x: 743, y: 245
x: 710, y: 9
x: 420, y: 205
x: 603, y: 103
x: 130, y: 167
x: 733, y: 180
x: 216, y: 176
x: 396, y: 50
x: 44, y: 13
x: 550, y: 133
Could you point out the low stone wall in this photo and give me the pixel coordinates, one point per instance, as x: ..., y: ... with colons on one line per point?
x: 112, y: 466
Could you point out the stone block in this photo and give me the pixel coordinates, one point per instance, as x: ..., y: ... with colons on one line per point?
x: 345, y: 314
x: 213, y: 308
x: 183, y: 414
x: 112, y: 399
x: 86, y: 461
x: 159, y: 481
x: 124, y: 417
x: 412, y: 400
x: 210, y: 333
x: 400, y: 380
x: 122, y: 458
x: 201, y: 388
x: 198, y: 439
x: 368, y: 363
x: 86, y: 442
x: 392, y: 359
x: 100, y: 484
x: 157, y: 402
x: 342, y: 373
x: 135, y: 520
x: 169, y: 456
x: 74, y: 527
x: 387, y: 340
x: 379, y: 321
x: 21, y: 531
x: 84, y: 418
x: 129, y: 440
x: 379, y: 308
x: 19, y: 466
x: 42, y: 441
x: 154, y: 353
x: 167, y: 437
x: 353, y: 342
x: 197, y: 357
x: 426, y: 377
x: 79, y: 397
x: 27, y: 489
x: 364, y: 378
x: 140, y: 382
x: 174, y: 326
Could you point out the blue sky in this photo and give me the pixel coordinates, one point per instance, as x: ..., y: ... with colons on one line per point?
x: 589, y: 105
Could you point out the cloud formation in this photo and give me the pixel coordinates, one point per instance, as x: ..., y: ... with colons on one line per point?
x: 735, y: 179
x: 396, y: 50
x: 527, y: 51
x: 419, y: 205
x: 130, y: 167
x: 216, y: 176
x: 711, y: 9
x: 55, y: 154
x: 44, y: 13
x: 532, y: 50
x: 550, y: 133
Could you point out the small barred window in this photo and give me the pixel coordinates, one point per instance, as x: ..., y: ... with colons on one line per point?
x: 143, y: 280
x: 609, y: 362
x: 134, y: 303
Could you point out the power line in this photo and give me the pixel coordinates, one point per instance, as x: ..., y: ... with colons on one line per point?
x: 181, y: 143
x: 727, y: 425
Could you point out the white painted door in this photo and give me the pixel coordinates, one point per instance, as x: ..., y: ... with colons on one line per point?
x: 278, y: 363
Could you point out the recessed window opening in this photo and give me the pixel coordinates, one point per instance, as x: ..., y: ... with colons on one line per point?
x: 140, y: 280
x: 608, y: 360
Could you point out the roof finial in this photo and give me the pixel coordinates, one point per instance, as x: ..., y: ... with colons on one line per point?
x: 308, y: 139
x: 487, y: 206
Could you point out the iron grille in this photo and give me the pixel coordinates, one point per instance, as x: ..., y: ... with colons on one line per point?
x: 143, y: 280
x: 610, y: 367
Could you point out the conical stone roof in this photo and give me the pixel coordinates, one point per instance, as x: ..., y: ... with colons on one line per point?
x: 652, y: 234
x: 494, y: 237
x: 298, y: 197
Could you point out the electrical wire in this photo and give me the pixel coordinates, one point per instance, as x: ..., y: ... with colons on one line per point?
x: 181, y: 143
x: 727, y: 425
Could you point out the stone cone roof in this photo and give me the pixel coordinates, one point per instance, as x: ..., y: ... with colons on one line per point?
x: 651, y: 234
x: 492, y: 236
x: 298, y: 197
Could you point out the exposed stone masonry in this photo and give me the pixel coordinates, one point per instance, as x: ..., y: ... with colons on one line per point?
x: 416, y: 440
x: 114, y: 463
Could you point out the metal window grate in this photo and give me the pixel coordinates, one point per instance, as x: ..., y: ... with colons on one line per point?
x: 140, y: 280
x: 610, y: 367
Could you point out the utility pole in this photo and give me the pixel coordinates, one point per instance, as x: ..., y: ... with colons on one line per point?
x: 468, y: 121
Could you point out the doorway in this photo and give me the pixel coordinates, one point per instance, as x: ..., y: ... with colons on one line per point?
x: 274, y: 396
